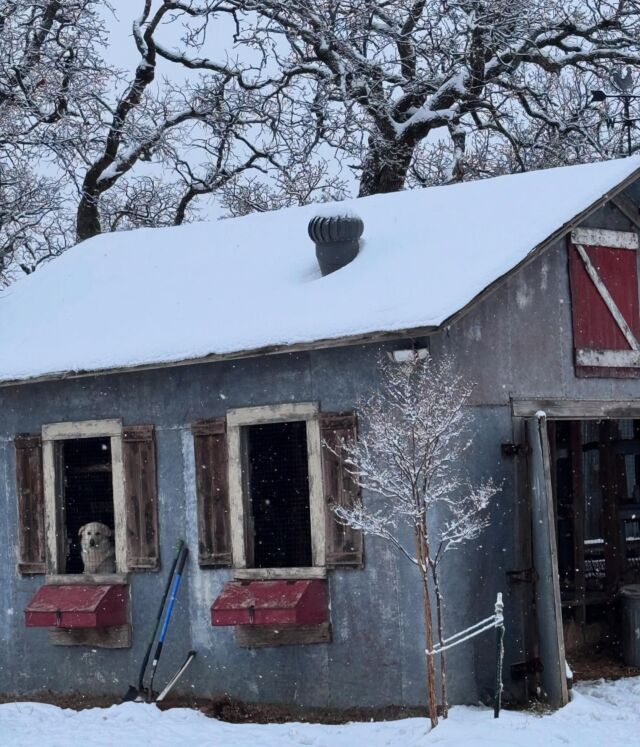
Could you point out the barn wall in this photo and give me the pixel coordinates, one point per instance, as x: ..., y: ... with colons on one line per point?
x: 375, y: 658
x: 518, y: 342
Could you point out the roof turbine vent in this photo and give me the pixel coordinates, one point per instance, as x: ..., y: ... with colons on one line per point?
x: 336, y: 239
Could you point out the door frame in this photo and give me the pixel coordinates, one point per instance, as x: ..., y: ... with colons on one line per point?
x: 543, y: 409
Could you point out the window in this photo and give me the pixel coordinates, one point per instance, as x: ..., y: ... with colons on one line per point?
x: 603, y: 271
x: 83, y: 483
x: 276, y: 474
x: 265, y: 478
x: 73, y: 473
x: 277, y: 511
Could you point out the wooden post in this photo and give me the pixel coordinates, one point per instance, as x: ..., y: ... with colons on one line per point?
x: 499, y: 654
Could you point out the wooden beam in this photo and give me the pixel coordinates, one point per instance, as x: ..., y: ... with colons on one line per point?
x: 82, y: 429
x: 86, y: 579
x: 263, y: 636
x: 577, y: 409
x: 608, y: 358
x: 605, y: 237
x: 271, y: 574
x: 118, y: 636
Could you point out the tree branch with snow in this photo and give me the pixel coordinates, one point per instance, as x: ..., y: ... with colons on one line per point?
x: 410, y: 454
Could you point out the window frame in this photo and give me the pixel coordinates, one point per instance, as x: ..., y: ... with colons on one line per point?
x: 53, y: 508
x: 239, y: 418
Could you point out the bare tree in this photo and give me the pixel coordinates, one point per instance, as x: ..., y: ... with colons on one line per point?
x: 116, y: 150
x: 403, y: 71
x: 211, y: 116
x: 273, y: 100
x: 410, y: 453
x: 50, y: 72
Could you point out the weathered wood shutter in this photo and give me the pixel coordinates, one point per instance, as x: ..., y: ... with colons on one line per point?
x: 212, y: 487
x: 139, y: 457
x: 603, y: 269
x: 344, y: 545
x: 30, y: 488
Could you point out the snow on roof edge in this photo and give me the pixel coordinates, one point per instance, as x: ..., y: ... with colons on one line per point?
x: 353, y: 337
x: 536, y: 250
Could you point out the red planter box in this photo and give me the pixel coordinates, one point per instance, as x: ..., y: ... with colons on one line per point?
x: 271, y: 603
x: 76, y: 606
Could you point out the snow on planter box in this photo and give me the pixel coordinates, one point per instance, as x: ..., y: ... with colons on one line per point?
x: 77, y: 606
x: 271, y: 603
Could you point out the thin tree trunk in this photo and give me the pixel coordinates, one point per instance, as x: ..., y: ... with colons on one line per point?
x: 385, y: 166
x: 421, y: 546
x: 443, y: 656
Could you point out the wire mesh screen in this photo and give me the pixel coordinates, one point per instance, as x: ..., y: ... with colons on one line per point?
x: 279, y: 495
x: 88, y: 491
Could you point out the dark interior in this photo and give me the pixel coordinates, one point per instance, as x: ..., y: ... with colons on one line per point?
x: 278, y: 489
x: 596, y: 481
x: 88, y: 490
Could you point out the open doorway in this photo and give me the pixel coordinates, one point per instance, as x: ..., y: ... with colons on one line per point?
x: 595, y: 473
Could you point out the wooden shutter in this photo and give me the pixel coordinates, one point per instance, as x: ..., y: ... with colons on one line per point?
x: 344, y: 545
x: 139, y: 456
x: 603, y: 269
x: 212, y: 487
x: 30, y: 488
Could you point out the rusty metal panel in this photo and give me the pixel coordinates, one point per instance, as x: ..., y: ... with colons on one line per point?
x: 271, y: 603
x: 77, y: 606
x: 595, y: 328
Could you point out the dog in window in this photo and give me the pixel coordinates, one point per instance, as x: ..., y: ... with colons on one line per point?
x: 97, y: 549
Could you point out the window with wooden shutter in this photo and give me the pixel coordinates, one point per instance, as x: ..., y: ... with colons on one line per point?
x: 344, y: 545
x: 603, y: 268
x: 211, y: 461
x: 29, y: 480
x: 138, y: 452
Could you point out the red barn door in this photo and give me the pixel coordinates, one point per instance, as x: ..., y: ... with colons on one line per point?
x: 603, y: 268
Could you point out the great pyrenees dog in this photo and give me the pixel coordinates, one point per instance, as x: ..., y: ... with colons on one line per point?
x: 97, y: 549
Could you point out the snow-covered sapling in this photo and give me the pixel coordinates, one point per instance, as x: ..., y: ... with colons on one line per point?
x: 410, y: 452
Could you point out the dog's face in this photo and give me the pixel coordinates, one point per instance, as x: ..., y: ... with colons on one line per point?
x: 94, y: 535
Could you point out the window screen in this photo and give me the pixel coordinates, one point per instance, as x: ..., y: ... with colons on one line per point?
x: 278, y: 495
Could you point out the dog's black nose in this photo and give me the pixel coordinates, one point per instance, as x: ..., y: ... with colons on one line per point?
x: 92, y: 543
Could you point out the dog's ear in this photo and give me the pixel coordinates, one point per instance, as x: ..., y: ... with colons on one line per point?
x: 108, y: 531
x: 81, y: 530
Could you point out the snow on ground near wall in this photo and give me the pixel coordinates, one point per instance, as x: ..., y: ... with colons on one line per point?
x: 602, y: 713
x: 172, y: 294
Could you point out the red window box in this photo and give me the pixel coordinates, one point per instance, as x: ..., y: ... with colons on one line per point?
x: 271, y: 603
x: 78, y: 606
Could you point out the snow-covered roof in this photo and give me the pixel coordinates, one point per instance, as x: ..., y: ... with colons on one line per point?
x: 166, y: 295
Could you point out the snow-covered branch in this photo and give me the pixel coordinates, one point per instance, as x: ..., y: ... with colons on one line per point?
x: 409, y: 460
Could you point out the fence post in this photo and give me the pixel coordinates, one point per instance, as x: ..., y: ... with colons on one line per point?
x: 499, y: 654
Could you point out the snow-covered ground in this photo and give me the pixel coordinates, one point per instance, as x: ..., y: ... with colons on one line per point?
x: 601, y: 713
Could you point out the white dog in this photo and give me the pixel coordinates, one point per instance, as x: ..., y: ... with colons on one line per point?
x: 98, y: 552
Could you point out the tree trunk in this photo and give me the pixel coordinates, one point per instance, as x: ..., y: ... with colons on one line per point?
x: 385, y: 166
x: 422, y: 553
x: 87, y: 217
x: 443, y: 656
